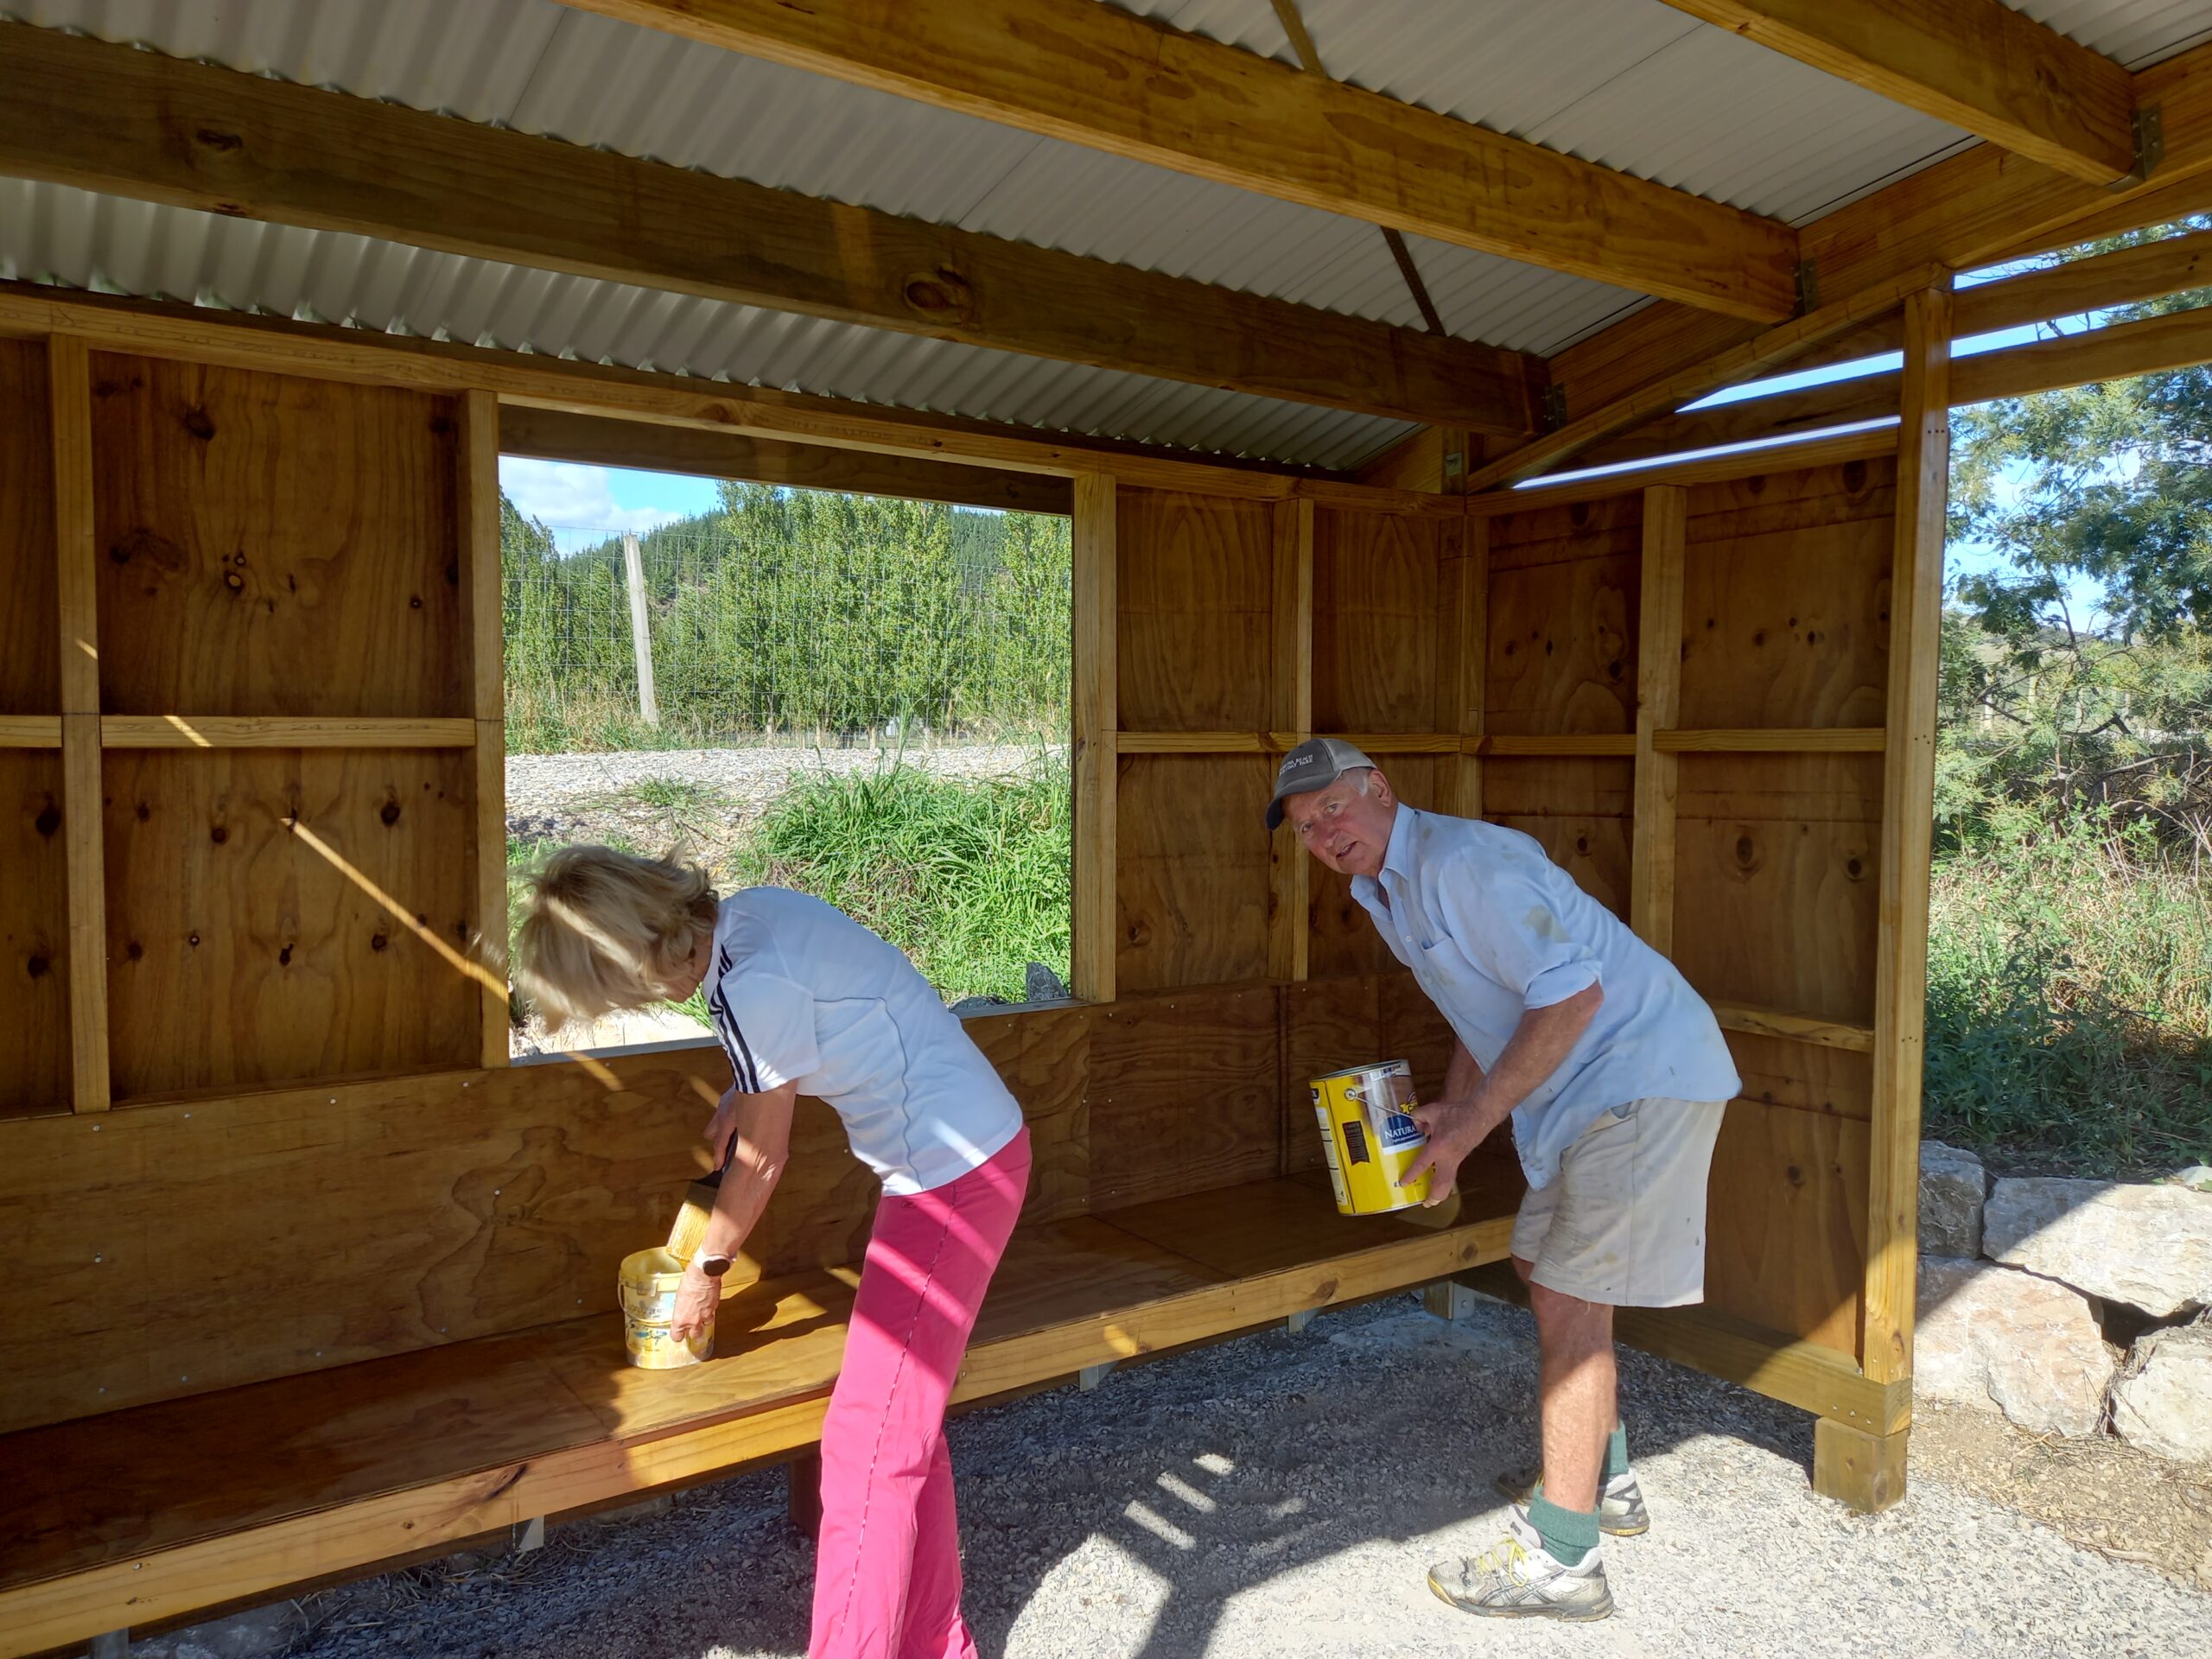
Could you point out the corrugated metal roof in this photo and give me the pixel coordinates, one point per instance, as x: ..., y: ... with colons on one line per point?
x: 1632, y: 84
x: 53, y: 233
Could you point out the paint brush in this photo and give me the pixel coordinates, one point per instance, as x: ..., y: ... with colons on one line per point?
x: 691, y: 1230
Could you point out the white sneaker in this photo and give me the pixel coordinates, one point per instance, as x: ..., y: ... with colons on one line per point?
x: 1518, y: 1577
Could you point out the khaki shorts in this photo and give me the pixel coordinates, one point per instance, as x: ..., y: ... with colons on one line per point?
x: 1623, y: 1223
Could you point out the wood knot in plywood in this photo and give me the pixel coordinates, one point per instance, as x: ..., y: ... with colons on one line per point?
x: 39, y: 965
x: 148, y: 548
x: 215, y: 138
x: 1748, y: 855
x: 380, y: 940
x: 133, y: 950
x: 49, y: 819
x: 940, y: 295
x: 199, y: 423
x: 389, y: 811
x: 218, y: 834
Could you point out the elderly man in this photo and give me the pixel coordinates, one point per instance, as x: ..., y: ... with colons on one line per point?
x: 1614, y: 1074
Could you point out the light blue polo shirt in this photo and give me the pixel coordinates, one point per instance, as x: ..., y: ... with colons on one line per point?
x: 1492, y: 928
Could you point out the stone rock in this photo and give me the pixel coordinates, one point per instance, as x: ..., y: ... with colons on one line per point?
x: 1041, y: 984
x: 2196, y: 1177
x: 1987, y: 1335
x: 2163, y: 1402
x: 2150, y: 1247
x: 251, y: 1635
x: 1952, y: 1186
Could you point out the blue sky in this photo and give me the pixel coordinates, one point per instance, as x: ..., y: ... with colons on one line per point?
x: 582, y: 504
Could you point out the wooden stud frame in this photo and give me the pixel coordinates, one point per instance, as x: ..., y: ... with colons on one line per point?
x: 1901, y: 995
x: 1091, y: 920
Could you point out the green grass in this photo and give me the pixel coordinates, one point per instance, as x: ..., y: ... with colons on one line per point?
x: 2070, y: 1000
x: 970, y: 880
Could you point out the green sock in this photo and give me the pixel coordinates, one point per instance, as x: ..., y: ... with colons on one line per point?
x: 1569, y: 1535
x: 1615, y: 1454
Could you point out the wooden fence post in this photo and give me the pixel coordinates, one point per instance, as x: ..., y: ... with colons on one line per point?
x: 641, y: 638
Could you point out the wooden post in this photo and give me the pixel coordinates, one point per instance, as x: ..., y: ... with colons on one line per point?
x: 1855, y: 1468
x: 1290, y: 928
x: 1658, y: 703
x: 481, y: 596
x: 802, y: 1492
x: 1908, y: 812
x: 1462, y: 650
x: 1095, y: 706
x: 641, y: 638
x: 69, y: 374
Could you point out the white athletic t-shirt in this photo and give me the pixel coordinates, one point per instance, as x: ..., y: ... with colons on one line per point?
x: 799, y: 992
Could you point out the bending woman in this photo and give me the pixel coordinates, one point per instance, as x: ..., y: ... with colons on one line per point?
x: 805, y: 1000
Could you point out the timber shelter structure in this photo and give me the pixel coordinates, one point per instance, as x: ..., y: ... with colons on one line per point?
x: 1358, y: 338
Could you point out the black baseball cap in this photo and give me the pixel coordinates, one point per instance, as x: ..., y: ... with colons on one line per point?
x: 1315, y: 764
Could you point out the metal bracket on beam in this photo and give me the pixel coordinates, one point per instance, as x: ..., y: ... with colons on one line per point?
x: 1296, y: 1323
x: 1091, y: 1376
x: 529, y: 1535
x: 1809, y: 286
x: 1555, y: 408
x: 111, y: 1644
x: 2150, y: 144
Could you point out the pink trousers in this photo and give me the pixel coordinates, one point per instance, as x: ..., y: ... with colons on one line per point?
x: 887, y: 1573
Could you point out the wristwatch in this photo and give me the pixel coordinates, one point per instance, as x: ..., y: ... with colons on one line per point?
x: 712, y: 1266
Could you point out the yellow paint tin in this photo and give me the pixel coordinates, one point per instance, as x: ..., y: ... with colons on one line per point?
x: 1371, y: 1138
x: 649, y: 1282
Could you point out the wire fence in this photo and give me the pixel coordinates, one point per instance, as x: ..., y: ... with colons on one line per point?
x: 786, y: 614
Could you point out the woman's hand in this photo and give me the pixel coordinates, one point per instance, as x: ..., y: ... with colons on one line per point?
x: 1454, y: 1128
x: 697, y: 1296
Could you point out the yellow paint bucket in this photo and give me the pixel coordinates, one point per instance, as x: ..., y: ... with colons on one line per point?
x: 649, y: 1282
x: 1370, y: 1137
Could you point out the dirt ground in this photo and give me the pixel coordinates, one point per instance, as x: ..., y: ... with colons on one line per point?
x: 1282, y: 1496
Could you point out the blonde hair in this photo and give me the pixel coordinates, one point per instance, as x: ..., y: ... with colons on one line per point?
x: 602, y: 929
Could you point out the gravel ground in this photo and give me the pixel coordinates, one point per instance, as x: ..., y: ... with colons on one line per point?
x: 549, y: 796
x: 1280, y: 1497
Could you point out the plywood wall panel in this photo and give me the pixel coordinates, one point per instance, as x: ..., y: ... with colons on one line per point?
x: 1775, y: 902
x: 1786, y: 605
x: 34, y: 936
x: 271, y: 545
x: 265, y: 913
x: 1805, y: 1076
x: 1375, y: 604
x: 1567, y: 531
x: 1186, y: 1095
x: 1191, y: 870
x: 1561, y: 654
x: 1786, y: 1235
x: 29, y: 619
x: 1194, y: 593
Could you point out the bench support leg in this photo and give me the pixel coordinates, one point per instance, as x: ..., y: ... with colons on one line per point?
x: 1447, y: 1299
x: 804, y: 1498
x: 1296, y: 1323
x: 1865, y: 1471
x: 1091, y: 1376
x: 111, y: 1644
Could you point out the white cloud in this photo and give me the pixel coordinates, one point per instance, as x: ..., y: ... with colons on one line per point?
x: 567, y: 496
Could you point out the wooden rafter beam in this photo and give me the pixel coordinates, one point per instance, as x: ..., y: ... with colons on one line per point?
x: 1979, y: 207
x: 1097, y: 75
x: 1977, y: 64
x: 106, y: 118
x: 598, y: 440
x: 1771, y: 350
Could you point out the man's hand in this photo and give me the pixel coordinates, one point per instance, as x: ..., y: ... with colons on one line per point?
x: 696, y: 1297
x: 1454, y: 1128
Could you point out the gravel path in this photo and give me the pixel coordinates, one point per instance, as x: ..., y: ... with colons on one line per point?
x: 1280, y: 1497
x: 546, y: 790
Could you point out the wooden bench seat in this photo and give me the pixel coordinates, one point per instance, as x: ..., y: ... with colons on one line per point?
x: 150, y: 1514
